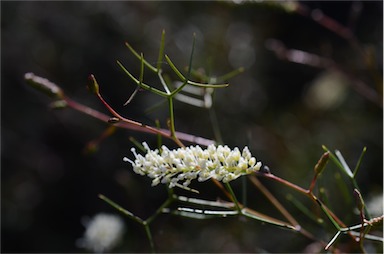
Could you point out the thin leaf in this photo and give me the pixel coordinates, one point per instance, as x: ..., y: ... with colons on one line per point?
x: 137, y: 144
x: 191, y: 215
x: 177, y: 90
x: 142, y: 85
x: 345, y: 167
x: 230, y: 74
x: 333, y: 157
x: 173, y: 67
x: 119, y: 208
x: 304, y: 209
x: 234, y: 199
x: 150, y: 66
x: 132, y: 96
x: 182, y: 78
x: 208, y: 212
x: 202, y: 202
x: 206, y: 85
x: 190, y: 100
x: 161, y: 51
x: 332, y: 240
x: 190, y: 59
x: 140, y: 82
x: 141, y: 77
x: 155, y: 106
x: 267, y: 219
x: 162, y: 81
x: 369, y: 237
x: 359, y: 161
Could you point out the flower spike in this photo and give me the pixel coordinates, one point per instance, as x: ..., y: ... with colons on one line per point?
x: 189, y: 163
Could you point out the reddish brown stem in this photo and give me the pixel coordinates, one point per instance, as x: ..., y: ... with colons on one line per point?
x: 310, y: 195
x: 274, y: 201
x: 136, y: 126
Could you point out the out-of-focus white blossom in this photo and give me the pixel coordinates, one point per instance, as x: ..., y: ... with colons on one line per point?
x: 375, y: 205
x: 103, y: 232
x: 189, y: 163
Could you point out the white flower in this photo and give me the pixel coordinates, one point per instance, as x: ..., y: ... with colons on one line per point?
x: 102, y: 233
x: 375, y: 205
x: 189, y: 163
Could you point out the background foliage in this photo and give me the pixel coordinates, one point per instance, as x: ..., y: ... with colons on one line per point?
x: 49, y: 183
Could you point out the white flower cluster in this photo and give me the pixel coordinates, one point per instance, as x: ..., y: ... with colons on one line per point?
x: 103, y: 233
x: 185, y: 164
x: 375, y: 205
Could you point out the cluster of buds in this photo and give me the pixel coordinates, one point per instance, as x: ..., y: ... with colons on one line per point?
x: 185, y: 164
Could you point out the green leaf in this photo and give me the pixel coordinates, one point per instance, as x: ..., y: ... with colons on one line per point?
x: 183, y: 79
x: 173, y: 67
x: 345, y: 167
x: 134, y: 52
x: 230, y: 74
x: 265, y: 218
x: 119, y: 208
x: 190, y: 59
x: 359, y: 161
x: 333, y: 157
x: 93, y: 86
x: 206, y: 85
x: 161, y: 51
x: 142, y: 85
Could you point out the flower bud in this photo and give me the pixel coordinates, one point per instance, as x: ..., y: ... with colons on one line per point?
x: 319, y: 167
x: 92, y: 84
x: 44, y: 85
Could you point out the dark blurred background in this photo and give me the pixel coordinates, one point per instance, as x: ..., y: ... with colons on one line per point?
x: 283, y: 111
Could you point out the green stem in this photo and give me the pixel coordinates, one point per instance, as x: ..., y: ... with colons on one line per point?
x: 359, y: 162
x: 146, y: 222
x: 134, y: 52
x: 120, y: 209
x: 149, y: 236
x: 159, y: 210
x: 142, y: 85
x: 172, y: 122
x: 161, y: 51
x: 230, y: 74
x: 190, y: 59
x: 162, y: 81
x: 184, y: 79
x: 159, y: 137
x: 233, y: 196
x: 326, y: 211
x: 333, y: 158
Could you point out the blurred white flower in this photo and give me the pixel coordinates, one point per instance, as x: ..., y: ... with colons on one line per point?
x: 327, y: 91
x: 185, y: 164
x: 103, y: 232
x: 375, y: 205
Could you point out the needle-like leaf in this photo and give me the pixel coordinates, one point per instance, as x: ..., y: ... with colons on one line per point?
x: 359, y: 162
x: 134, y: 52
x: 141, y: 84
x: 161, y: 51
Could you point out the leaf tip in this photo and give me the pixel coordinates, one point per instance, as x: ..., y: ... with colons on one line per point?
x: 92, y: 85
